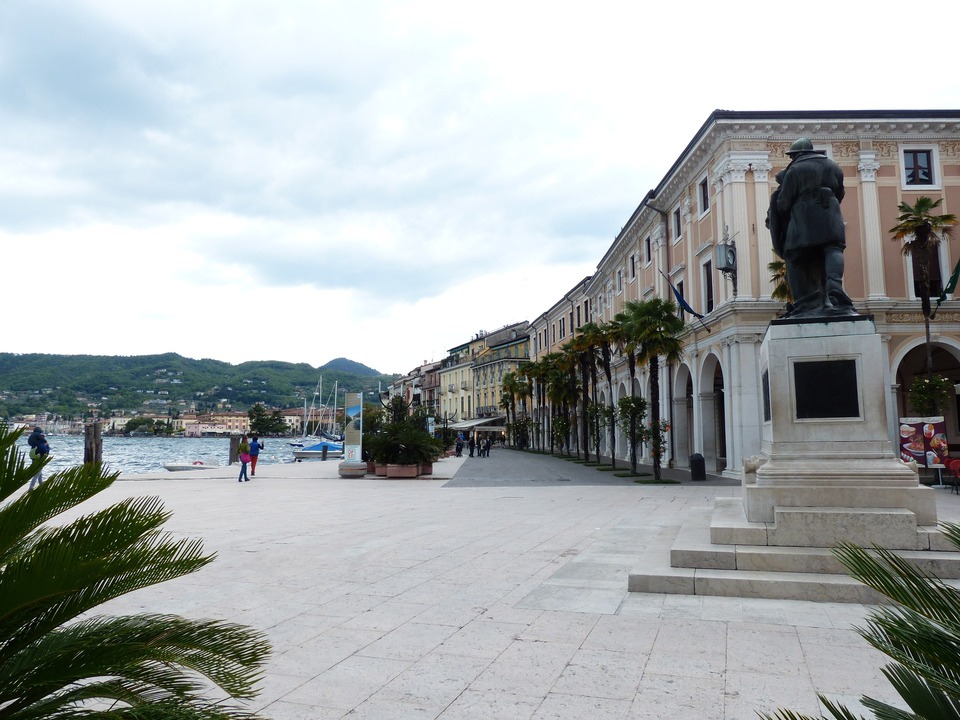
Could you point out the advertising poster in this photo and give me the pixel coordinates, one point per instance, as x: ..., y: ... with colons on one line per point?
x: 353, y: 427
x: 924, y: 440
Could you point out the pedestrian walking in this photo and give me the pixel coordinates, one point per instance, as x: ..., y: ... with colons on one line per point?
x: 39, y: 449
x: 244, y: 451
x: 487, y: 446
x: 255, y: 447
x: 471, y: 444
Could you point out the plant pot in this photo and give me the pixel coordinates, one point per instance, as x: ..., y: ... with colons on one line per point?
x: 380, y: 469
x: 371, y: 467
x: 426, y: 468
x: 402, y: 471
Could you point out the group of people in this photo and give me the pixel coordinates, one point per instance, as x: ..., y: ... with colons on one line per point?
x: 39, y: 448
x: 249, y: 452
x: 481, y: 446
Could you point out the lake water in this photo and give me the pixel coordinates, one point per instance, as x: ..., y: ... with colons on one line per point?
x: 150, y: 454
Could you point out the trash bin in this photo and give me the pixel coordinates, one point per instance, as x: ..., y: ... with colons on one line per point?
x: 698, y: 468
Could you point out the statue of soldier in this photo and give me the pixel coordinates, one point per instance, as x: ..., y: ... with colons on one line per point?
x: 808, y: 232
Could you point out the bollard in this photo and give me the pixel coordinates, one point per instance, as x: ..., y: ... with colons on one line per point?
x: 234, y: 450
x: 698, y: 467
x: 92, y: 443
x: 323, y: 453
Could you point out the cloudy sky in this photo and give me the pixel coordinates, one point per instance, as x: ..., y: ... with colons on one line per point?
x: 301, y: 180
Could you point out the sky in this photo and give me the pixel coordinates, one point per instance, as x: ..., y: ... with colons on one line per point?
x: 302, y: 180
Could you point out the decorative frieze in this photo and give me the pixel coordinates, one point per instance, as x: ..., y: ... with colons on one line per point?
x: 901, y: 317
x: 949, y: 148
x: 845, y: 150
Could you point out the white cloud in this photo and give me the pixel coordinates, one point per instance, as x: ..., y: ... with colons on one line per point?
x: 378, y: 180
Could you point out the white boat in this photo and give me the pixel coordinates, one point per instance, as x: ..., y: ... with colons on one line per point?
x: 181, y: 465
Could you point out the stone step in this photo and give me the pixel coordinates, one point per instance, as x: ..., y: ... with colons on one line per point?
x: 893, y: 528
x: 694, y: 565
x: 820, y: 587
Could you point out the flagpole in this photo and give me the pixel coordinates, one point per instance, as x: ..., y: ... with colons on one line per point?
x: 684, y: 305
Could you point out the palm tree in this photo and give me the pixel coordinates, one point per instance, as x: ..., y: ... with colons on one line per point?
x: 920, y: 633
x: 601, y: 338
x: 778, y: 276
x: 523, y: 392
x: 57, y: 659
x: 621, y: 332
x: 508, y: 400
x: 921, y: 232
x: 585, y: 345
x: 657, y: 330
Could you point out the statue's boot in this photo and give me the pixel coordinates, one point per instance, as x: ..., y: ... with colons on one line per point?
x: 837, y: 300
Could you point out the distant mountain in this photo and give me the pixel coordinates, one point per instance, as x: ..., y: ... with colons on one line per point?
x: 351, y: 367
x: 73, y: 384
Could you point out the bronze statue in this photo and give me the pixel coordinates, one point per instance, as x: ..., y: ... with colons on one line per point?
x: 808, y: 232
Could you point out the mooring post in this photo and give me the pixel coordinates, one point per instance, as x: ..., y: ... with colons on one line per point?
x: 234, y: 450
x: 92, y: 443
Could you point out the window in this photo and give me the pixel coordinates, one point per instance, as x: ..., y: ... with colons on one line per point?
x: 918, y: 167
x: 578, y: 316
x: 571, y: 322
x: 681, y: 314
x: 647, y: 256
x: 703, y: 195
x: 563, y: 333
x: 633, y: 266
x: 677, y: 225
x: 708, y: 287
x: 586, y: 309
x: 619, y: 281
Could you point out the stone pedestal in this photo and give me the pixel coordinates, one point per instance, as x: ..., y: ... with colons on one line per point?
x: 827, y: 473
x: 824, y: 440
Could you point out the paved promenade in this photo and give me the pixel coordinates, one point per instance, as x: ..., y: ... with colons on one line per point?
x: 495, y: 590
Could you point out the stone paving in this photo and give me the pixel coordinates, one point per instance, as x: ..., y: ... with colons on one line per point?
x: 496, y: 589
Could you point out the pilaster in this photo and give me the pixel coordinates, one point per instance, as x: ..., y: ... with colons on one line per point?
x: 872, y: 233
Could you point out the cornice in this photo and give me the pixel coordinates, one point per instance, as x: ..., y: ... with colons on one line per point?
x: 779, y: 133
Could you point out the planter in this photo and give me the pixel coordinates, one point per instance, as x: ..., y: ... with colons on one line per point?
x: 380, y: 469
x: 426, y: 468
x: 402, y: 471
x: 371, y: 467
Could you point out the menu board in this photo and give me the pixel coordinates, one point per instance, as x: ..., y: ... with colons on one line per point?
x: 924, y: 440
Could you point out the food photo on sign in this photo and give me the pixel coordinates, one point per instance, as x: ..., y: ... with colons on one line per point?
x: 924, y: 441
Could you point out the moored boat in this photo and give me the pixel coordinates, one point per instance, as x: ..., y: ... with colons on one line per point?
x: 181, y: 465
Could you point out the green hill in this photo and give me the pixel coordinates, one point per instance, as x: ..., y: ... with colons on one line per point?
x: 70, y: 385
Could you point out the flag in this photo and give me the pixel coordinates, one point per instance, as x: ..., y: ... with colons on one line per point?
x: 684, y: 305
x: 951, y: 285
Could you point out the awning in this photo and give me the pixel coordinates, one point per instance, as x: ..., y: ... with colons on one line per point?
x: 466, y: 424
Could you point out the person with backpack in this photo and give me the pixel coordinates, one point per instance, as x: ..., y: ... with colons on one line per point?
x: 255, y: 447
x: 39, y: 449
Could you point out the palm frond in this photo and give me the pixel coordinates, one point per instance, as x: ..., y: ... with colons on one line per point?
x: 56, y: 660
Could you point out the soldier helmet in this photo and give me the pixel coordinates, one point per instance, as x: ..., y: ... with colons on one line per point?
x: 803, y: 145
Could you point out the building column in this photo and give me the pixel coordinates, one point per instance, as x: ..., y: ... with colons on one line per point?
x: 658, y: 238
x: 765, y: 254
x: 732, y: 170
x: 872, y: 234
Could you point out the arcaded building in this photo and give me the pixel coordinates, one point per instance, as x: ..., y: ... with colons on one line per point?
x: 703, y: 229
